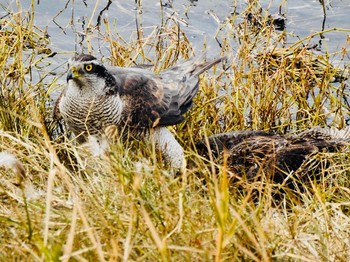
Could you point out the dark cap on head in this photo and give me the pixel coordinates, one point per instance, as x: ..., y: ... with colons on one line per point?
x: 84, y: 58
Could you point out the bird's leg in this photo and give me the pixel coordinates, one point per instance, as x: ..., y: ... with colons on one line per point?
x: 112, y: 132
x: 172, y: 151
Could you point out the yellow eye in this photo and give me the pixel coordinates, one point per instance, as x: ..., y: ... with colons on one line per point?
x: 88, y: 68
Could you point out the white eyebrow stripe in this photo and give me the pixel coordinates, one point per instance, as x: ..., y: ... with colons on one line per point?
x: 72, y: 62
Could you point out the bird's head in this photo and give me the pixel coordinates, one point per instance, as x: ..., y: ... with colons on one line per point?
x: 88, y: 76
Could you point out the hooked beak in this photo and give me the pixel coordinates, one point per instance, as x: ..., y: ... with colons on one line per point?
x: 72, y: 73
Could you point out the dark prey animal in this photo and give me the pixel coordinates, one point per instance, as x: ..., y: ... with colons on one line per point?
x: 253, y: 153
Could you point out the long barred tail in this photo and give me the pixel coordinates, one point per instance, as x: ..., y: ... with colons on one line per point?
x: 202, y: 67
x: 197, y: 65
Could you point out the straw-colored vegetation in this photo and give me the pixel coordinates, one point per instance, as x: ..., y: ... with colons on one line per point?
x: 126, y: 205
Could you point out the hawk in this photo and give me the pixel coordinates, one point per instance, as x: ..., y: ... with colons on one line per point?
x: 134, y: 100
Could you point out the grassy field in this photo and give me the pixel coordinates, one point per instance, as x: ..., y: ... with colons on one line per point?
x: 126, y: 205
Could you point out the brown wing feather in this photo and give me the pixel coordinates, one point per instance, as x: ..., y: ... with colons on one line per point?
x: 145, y: 101
x: 160, y: 100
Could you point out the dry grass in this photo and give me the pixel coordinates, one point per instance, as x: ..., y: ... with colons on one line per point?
x: 126, y: 205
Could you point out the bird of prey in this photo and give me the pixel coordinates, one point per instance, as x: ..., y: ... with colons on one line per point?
x: 252, y: 153
x: 134, y: 100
